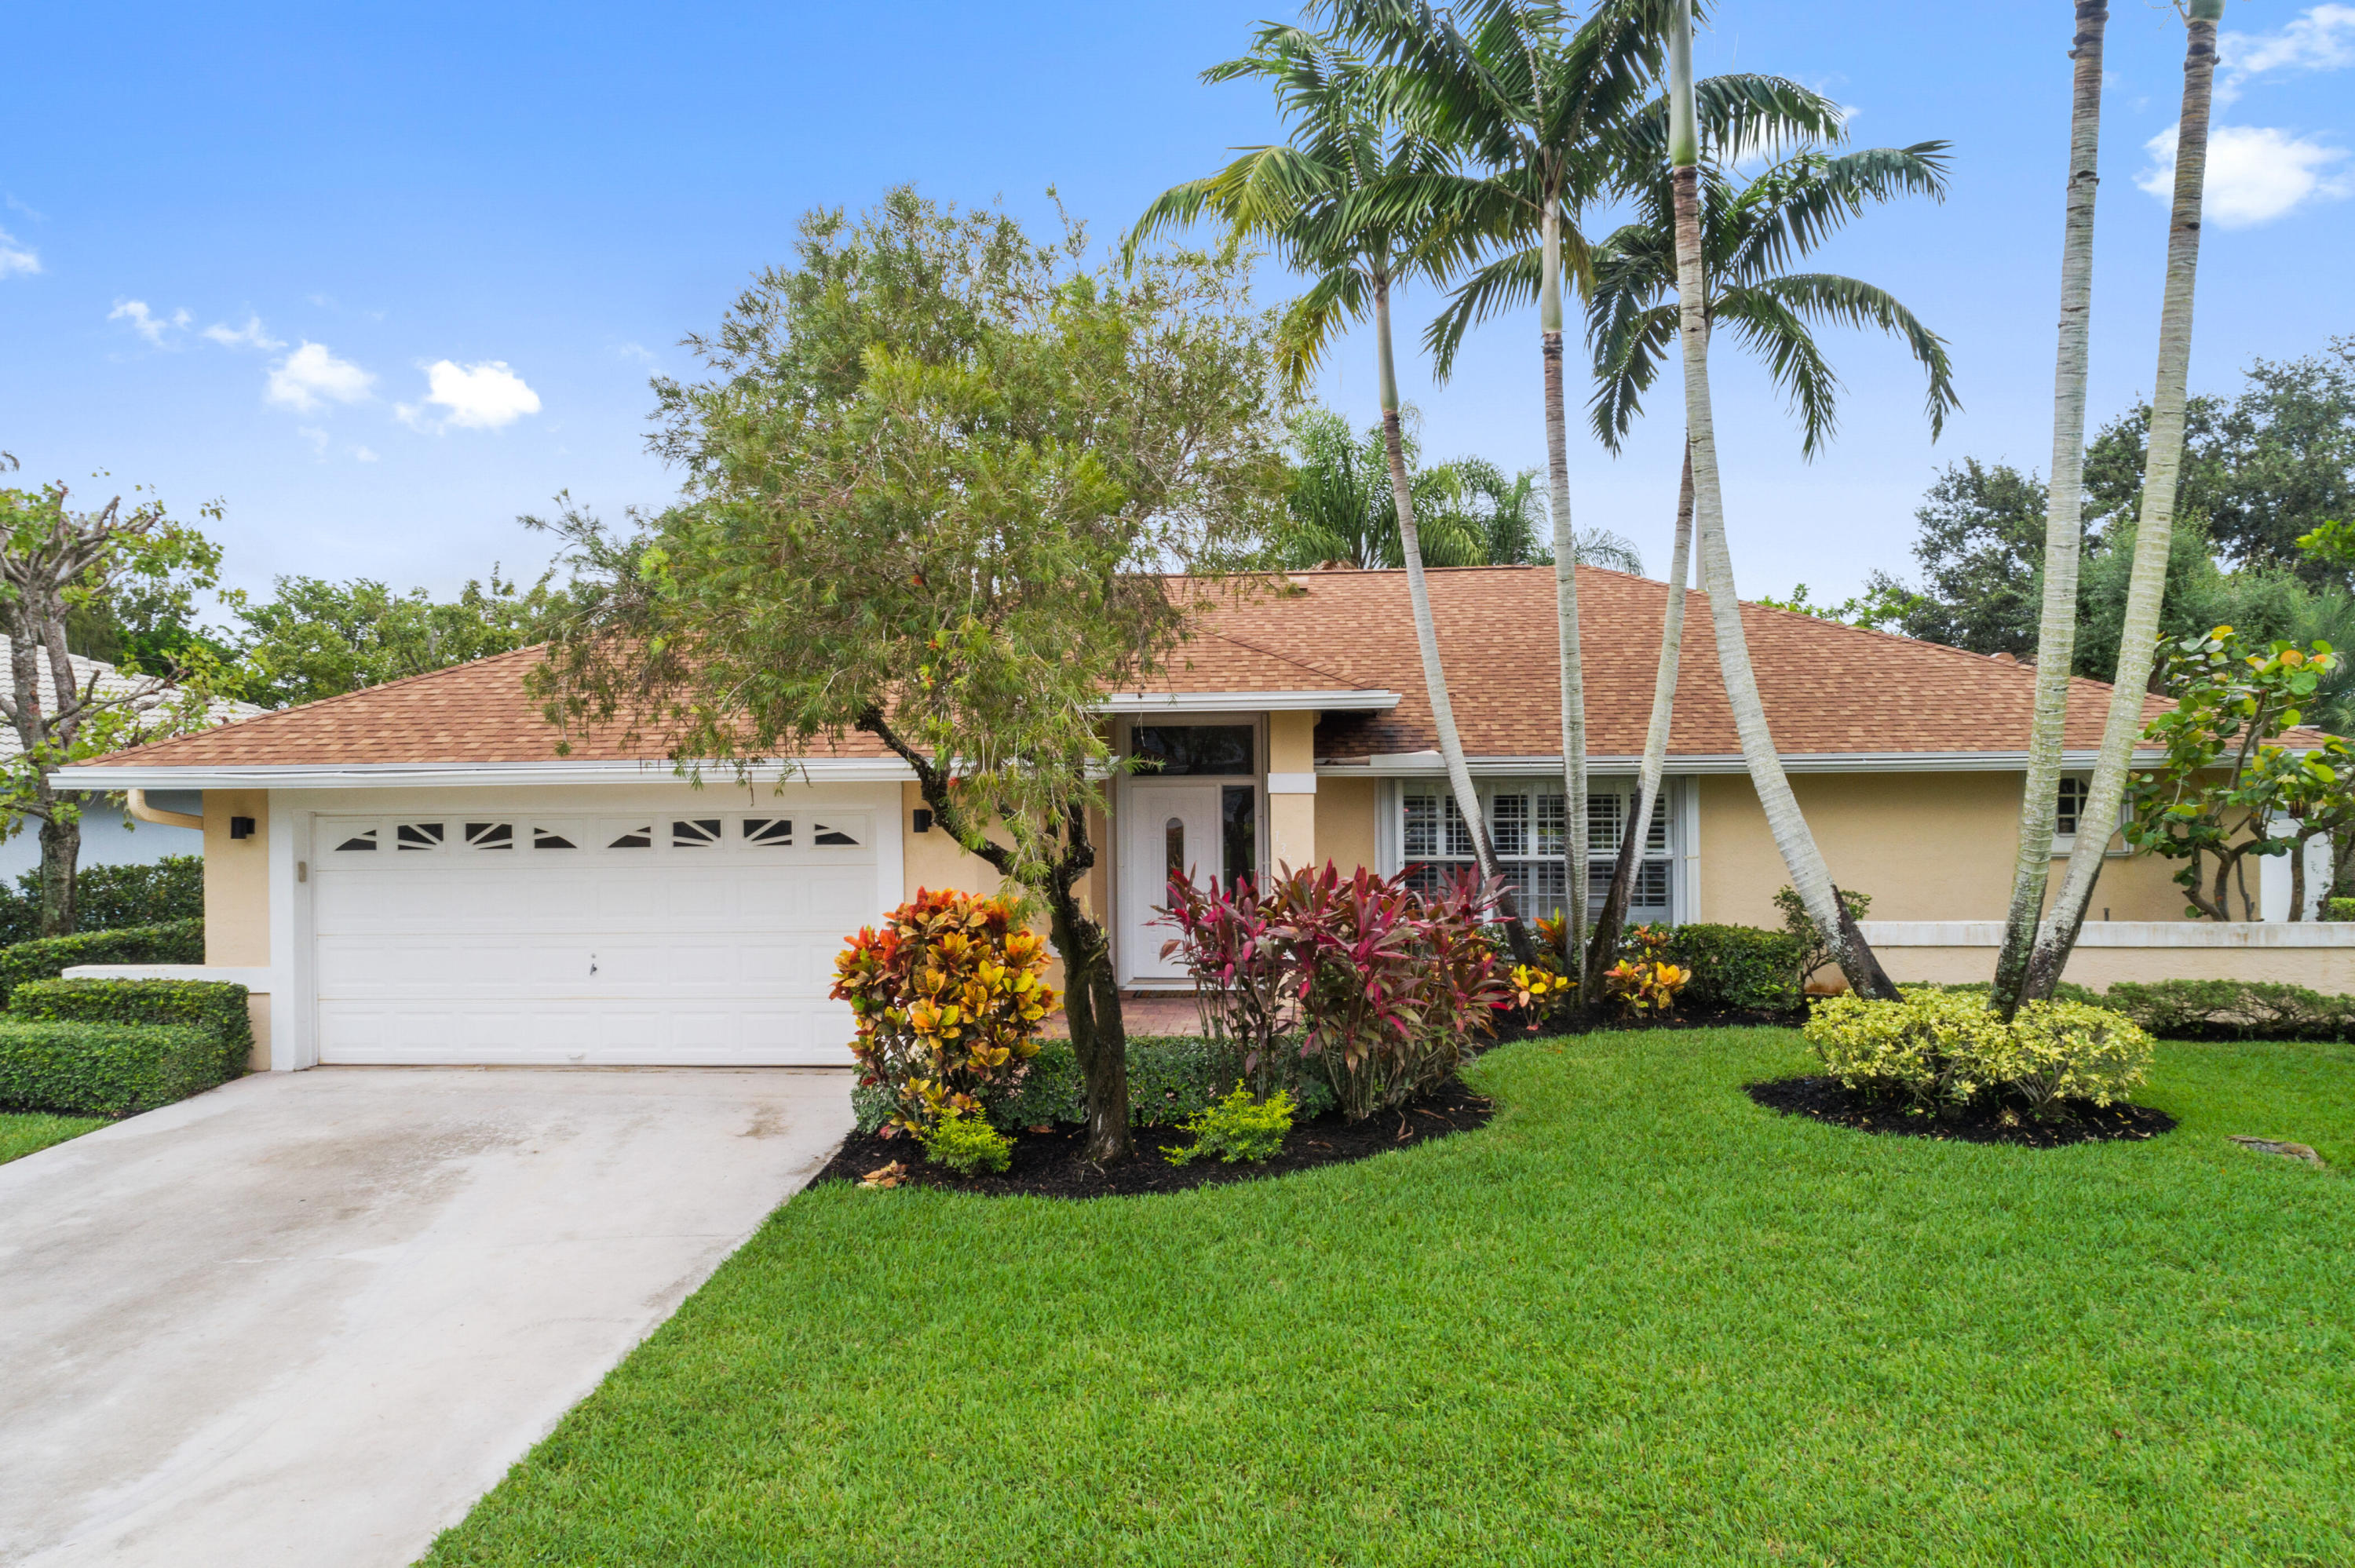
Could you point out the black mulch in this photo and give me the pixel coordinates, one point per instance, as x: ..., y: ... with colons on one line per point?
x: 2076, y: 1121
x: 1050, y: 1164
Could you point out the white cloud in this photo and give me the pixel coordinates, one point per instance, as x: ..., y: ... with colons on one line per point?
x: 144, y: 322
x: 310, y: 376
x: 636, y: 351
x: 318, y: 440
x: 2256, y: 174
x: 249, y: 335
x: 485, y: 397
x: 2321, y: 39
x: 15, y: 256
x: 363, y: 454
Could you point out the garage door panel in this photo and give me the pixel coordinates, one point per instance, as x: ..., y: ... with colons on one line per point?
x: 718, y: 954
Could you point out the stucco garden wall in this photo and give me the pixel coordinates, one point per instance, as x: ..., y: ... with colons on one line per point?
x: 2319, y: 954
x: 236, y: 897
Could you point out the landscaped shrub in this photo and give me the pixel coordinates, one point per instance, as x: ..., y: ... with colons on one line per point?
x: 949, y: 1000
x: 179, y: 942
x: 2339, y: 908
x: 1230, y: 945
x: 109, y: 897
x: 1643, y: 984
x: 1387, y: 985
x: 1942, y: 1049
x: 1816, y: 947
x: 1738, y: 968
x: 966, y: 1143
x: 1170, y: 1078
x: 2252, y: 1010
x: 104, y: 1069
x: 1240, y: 1126
x: 216, y: 1005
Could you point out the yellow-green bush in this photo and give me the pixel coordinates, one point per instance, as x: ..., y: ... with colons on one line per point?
x: 1240, y: 1126
x: 1945, y: 1049
x: 966, y: 1143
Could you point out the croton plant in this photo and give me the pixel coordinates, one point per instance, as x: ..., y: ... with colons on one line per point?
x: 949, y: 993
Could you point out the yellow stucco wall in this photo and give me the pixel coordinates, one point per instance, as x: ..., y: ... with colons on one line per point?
x: 237, y: 897
x: 1345, y: 822
x: 1290, y: 818
x: 1926, y: 846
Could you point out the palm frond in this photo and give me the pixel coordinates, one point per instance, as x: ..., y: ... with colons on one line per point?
x: 1851, y: 302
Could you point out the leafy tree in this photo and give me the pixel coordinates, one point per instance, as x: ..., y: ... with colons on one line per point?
x: 1877, y: 608
x: 936, y: 472
x: 55, y: 561
x: 316, y: 639
x: 2225, y: 787
x: 1981, y: 548
x: 2261, y: 468
x: 1468, y: 514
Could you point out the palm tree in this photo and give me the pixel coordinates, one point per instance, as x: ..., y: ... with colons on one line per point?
x: 2064, y: 503
x: 1361, y: 201
x: 1805, y: 862
x: 1500, y: 80
x: 2163, y: 465
x: 1750, y: 231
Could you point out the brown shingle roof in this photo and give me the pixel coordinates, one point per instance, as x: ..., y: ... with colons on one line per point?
x: 1827, y: 688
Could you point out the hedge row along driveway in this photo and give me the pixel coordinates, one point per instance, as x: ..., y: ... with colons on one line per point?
x: 1637, y: 1318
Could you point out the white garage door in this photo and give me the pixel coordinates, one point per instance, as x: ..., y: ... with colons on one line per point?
x: 478, y: 938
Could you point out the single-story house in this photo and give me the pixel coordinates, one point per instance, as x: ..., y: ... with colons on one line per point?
x: 413, y: 875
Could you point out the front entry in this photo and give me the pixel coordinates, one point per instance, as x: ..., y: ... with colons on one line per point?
x: 1173, y: 830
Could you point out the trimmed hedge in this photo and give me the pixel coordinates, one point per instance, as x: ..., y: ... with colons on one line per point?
x: 1170, y: 1078
x: 104, y: 1069
x: 1738, y: 968
x: 111, y: 897
x: 175, y: 942
x: 2241, y: 1010
x: 217, y: 1005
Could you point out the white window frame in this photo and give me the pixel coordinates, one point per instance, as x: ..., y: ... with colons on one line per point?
x: 1671, y: 831
x: 2065, y: 843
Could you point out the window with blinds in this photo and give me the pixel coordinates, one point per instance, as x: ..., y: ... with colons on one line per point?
x: 1524, y: 819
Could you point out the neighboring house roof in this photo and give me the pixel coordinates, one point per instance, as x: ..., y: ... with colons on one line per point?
x: 112, y: 683
x: 1344, y: 641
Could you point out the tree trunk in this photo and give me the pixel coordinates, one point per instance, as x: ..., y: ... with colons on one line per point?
x: 60, y: 857
x: 2056, y: 638
x: 1426, y: 635
x: 1099, y: 1033
x: 1805, y: 862
x: 2155, y: 519
x: 2297, y: 879
x: 1574, y: 845
x: 1656, y: 746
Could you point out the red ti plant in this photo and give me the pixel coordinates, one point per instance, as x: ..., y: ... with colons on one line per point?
x: 1387, y: 987
x: 1229, y: 946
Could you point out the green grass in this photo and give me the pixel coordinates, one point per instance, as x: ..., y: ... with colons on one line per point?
x: 27, y: 1132
x: 1635, y: 1319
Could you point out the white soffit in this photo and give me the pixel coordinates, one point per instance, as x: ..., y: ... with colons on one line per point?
x: 1347, y: 700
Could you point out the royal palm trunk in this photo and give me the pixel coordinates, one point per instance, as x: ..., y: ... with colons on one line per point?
x: 1656, y: 746
x: 2155, y: 521
x: 1565, y: 597
x: 1801, y: 858
x: 2056, y: 638
x: 1426, y: 631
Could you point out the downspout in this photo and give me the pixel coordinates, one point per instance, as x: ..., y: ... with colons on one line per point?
x: 135, y: 802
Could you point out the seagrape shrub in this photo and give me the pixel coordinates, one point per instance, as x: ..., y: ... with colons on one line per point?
x: 1944, y: 1050
x: 949, y: 1000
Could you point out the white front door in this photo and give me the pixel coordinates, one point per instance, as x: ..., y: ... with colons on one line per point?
x: 1173, y: 828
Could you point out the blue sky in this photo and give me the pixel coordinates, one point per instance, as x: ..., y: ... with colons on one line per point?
x: 380, y: 277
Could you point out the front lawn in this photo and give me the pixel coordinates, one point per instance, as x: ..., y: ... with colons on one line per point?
x: 27, y: 1132
x: 1636, y: 1318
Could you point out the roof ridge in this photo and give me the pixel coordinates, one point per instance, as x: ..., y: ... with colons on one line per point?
x: 1354, y: 685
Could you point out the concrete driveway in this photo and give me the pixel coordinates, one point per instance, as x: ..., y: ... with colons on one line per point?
x: 309, y: 1319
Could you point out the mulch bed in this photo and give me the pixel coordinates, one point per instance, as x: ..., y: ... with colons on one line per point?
x: 1825, y: 1099
x: 1050, y: 1164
